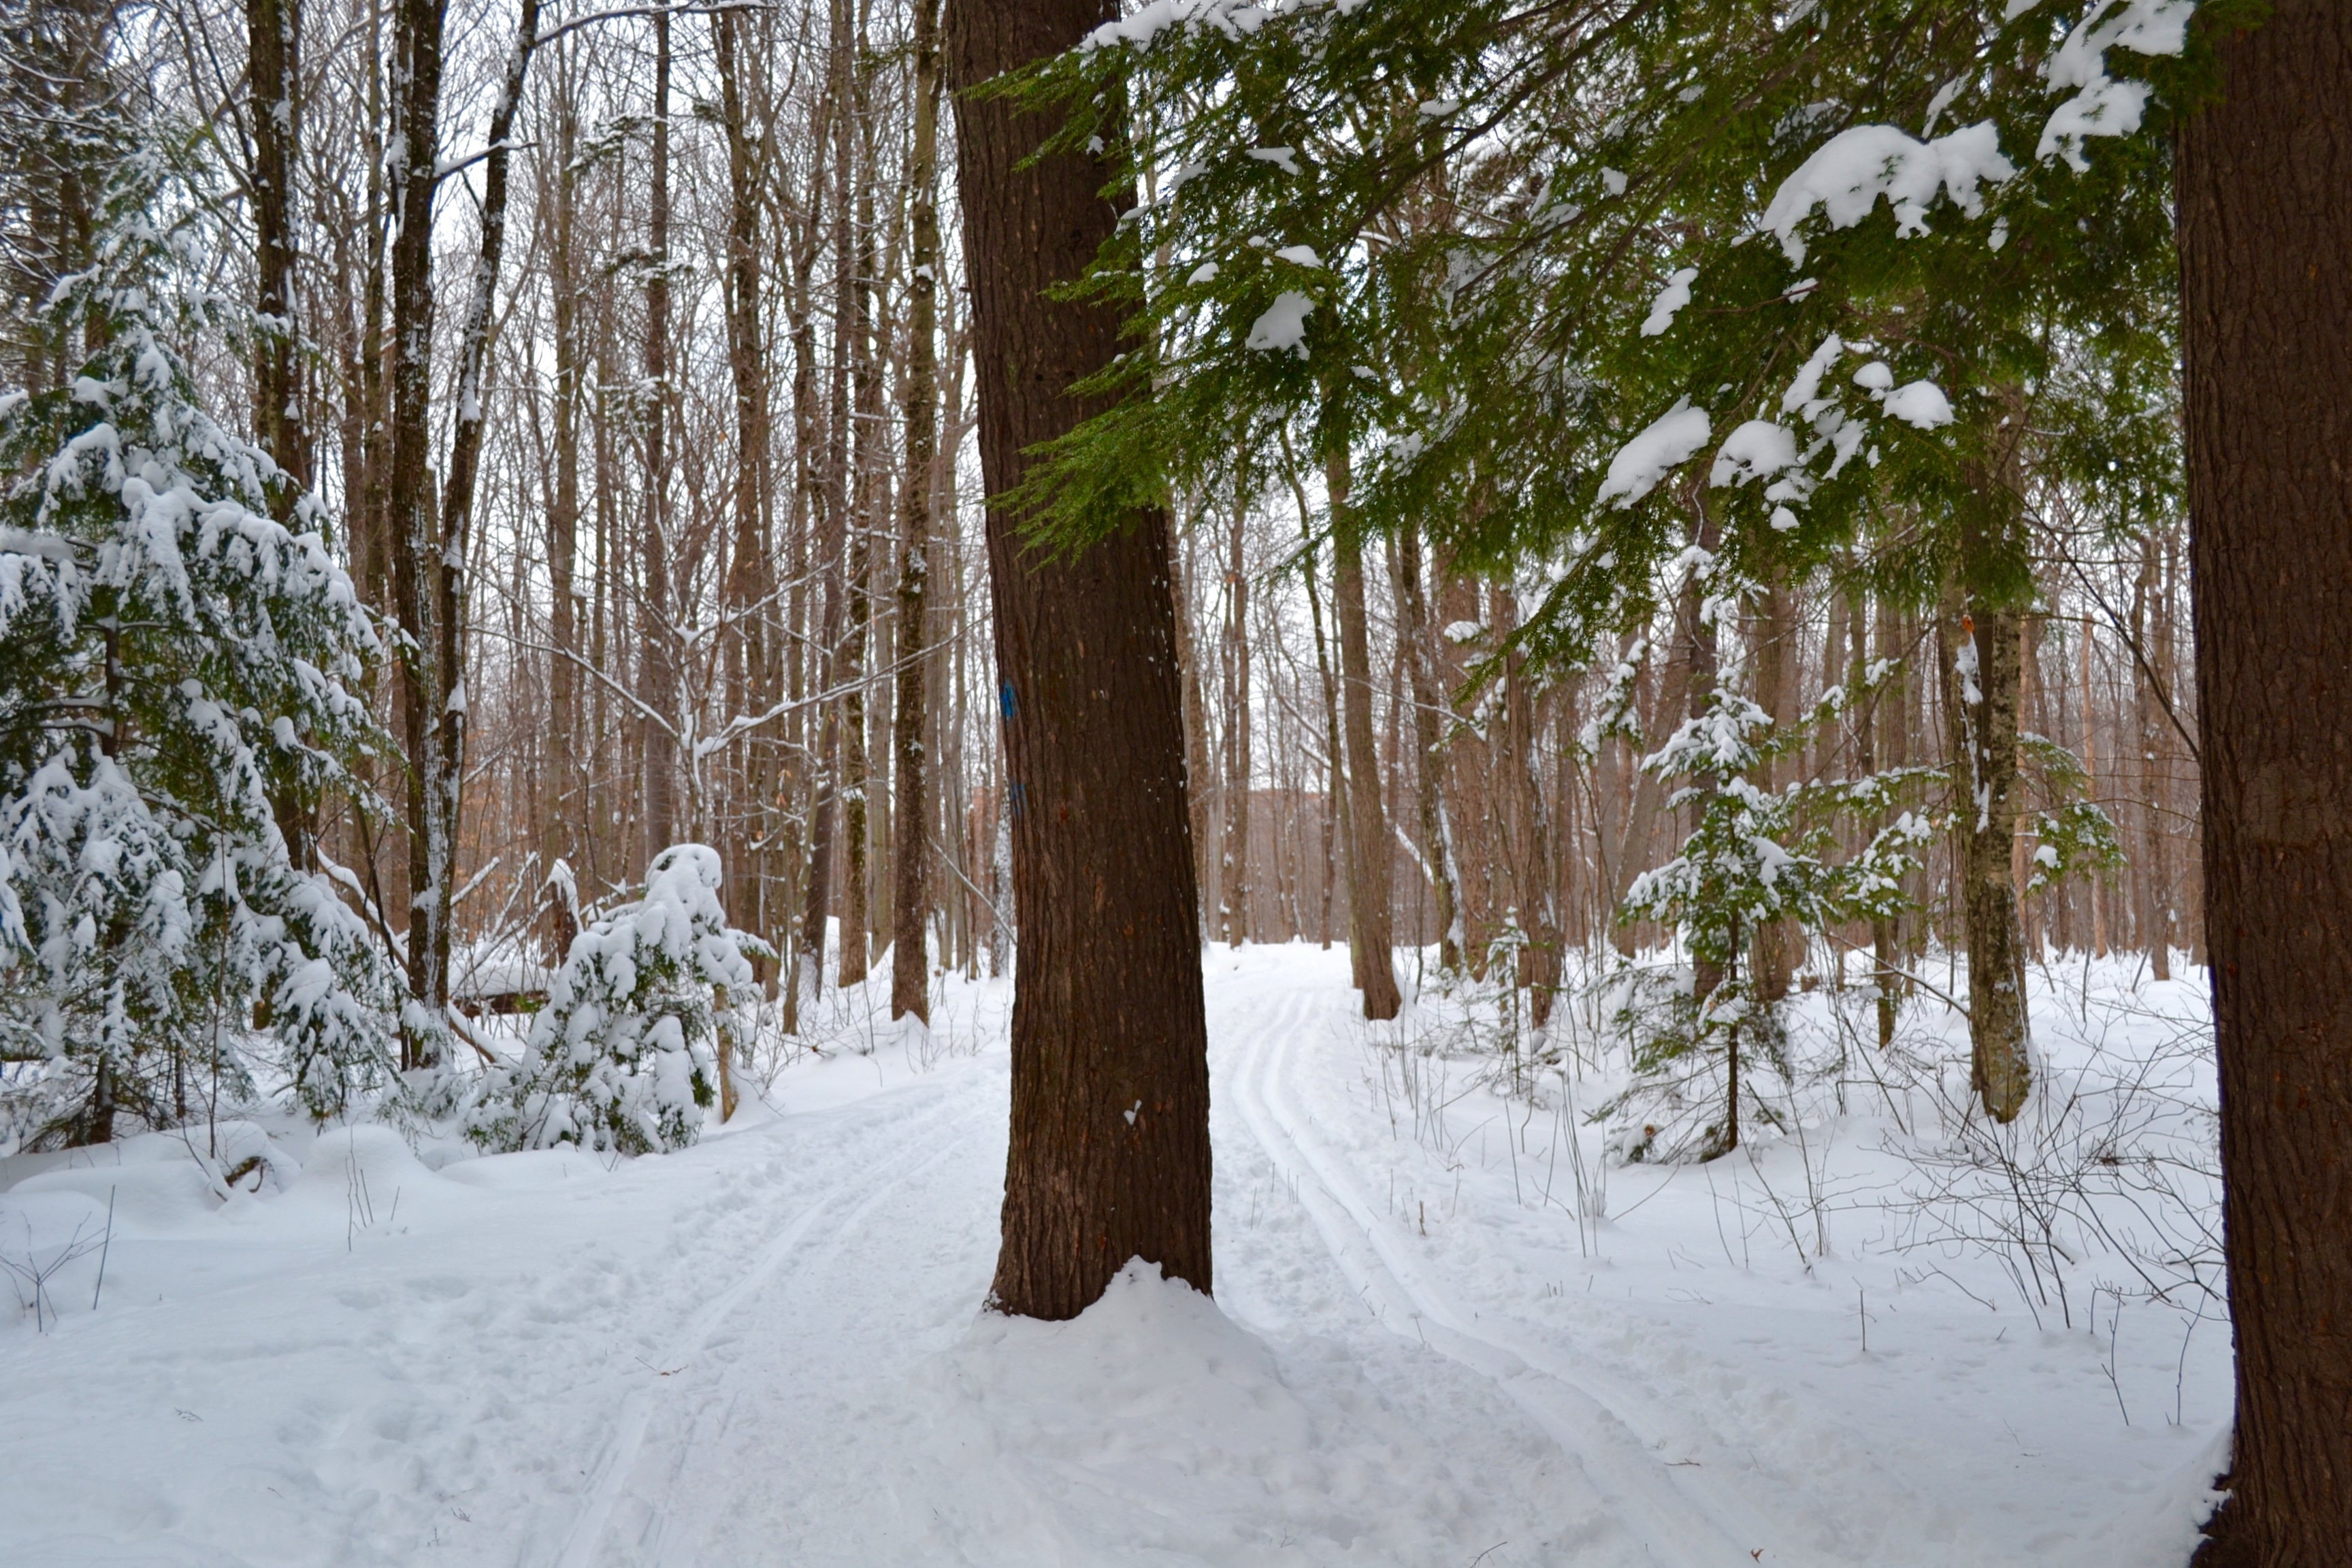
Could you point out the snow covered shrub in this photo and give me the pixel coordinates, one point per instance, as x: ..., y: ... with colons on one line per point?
x: 176, y: 670
x: 626, y: 1054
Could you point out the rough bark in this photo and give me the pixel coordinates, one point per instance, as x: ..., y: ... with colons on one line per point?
x: 912, y: 859
x: 1109, y: 1150
x: 1369, y: 912
x: 273, y: 33
x: 2266, y: 299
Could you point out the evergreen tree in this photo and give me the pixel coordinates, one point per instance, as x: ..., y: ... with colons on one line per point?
x: 1641, y: 293
x: 173, y: 661
x: 632, y: 1047
x: 1754, y: 856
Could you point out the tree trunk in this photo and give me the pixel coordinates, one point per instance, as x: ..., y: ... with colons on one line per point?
x: 2267, y: 317
x: 1983, y: 700
x: 1701, y: 652
x: 1889, y: 730
x: 1431, y: 712
x: 750, y: 577
x: 273, y: 33
x: 413, y: 527
x: 1335, y: 778
x: 1232, y: 882
x: 659, y: 691
x: 863, y: 421
x: 911, y: 858
x: 1109, y: 1154
x: 2150, y: 630
x: 560, y: 840
x: 1773, y: 949
x: 1531, y: 833
x: 1196, y: 709
x: 1369, y: 913
x: 834, y: 504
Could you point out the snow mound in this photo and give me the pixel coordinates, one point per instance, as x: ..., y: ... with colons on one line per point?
x: 1152, y: 1428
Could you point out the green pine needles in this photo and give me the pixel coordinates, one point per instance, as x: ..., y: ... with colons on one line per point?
x: 178, y: 674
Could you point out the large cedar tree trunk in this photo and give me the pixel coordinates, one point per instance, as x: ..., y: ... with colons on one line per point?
x: 1109, y: 1156
x: 2267, y: 306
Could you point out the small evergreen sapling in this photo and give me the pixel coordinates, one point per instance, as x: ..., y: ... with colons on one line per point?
x: 1754, y: 855
x: 627, y: 1055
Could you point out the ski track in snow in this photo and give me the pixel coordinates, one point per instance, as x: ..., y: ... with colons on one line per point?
x: 1670, y: 1515
x: 768, y: 1350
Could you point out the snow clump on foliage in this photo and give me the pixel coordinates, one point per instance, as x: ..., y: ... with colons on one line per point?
x: 625, y: 1055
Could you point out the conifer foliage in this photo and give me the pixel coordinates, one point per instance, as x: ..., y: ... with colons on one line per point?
x: 627, y: 1055
x: 175, y: 665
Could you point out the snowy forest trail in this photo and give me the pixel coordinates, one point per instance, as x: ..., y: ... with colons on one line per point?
x: 768, y: 1350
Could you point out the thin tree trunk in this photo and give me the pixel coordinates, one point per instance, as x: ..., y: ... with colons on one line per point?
x: 1234, y: 876
x: 750, y: 577
x: 1539, y: 964
x: 1335, y: 777
x: 273, y: 33
x: 1197, y: 773
x: 911, y: 860
x: 1890, y: 736
x: 1430, y: 714
x: 2149, y: 630
x: 1700, y: 653
x: 1369, y: 855
x: 1982, y: 703
x: 2267, y: 316
x: 834, y: 540
x: 415, y: 534
x: 1772, y: 948
x: 863, y: 420
x: 1110, y: 1152
x: 559, y: 838
x: 659, y: 691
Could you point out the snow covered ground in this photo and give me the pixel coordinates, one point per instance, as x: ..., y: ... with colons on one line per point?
x: 1425, y: 1349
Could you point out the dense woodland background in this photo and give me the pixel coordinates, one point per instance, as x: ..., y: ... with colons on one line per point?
x: 686, y: 598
